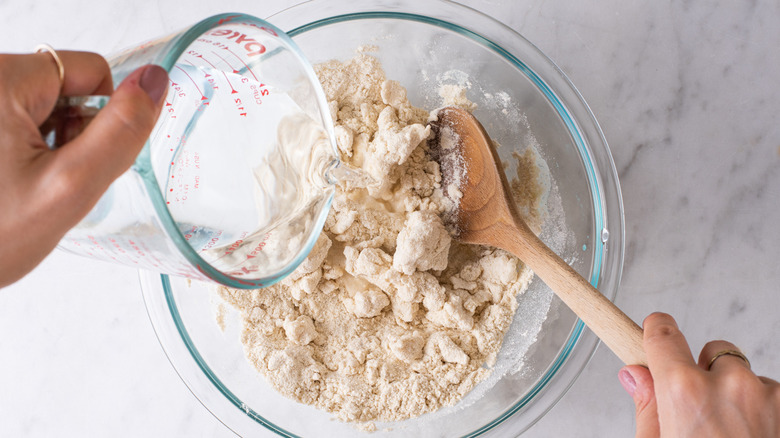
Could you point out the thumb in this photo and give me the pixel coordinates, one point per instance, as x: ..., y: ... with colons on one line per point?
x: 638, y: 382
x: 111, y: 142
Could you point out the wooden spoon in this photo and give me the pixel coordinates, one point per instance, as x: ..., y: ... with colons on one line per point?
x: 488, y: 216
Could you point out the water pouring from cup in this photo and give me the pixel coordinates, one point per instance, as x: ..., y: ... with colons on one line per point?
x: 234, y: 183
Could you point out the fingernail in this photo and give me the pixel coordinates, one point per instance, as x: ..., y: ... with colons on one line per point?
x: 154, y: 80
x: 628, y: 382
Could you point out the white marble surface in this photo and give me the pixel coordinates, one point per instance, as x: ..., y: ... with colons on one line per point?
x: 687, y: 95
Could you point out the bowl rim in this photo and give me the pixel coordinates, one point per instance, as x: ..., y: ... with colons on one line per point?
x: 579, y: 337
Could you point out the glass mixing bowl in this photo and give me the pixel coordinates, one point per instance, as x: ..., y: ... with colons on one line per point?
x: 523, y: 97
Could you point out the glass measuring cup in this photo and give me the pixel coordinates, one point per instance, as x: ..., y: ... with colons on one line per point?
x: 232, y: 185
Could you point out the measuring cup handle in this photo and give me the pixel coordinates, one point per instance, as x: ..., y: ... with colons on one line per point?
x: 69, y: 118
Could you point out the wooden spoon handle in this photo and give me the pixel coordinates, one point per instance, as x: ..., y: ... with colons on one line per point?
x: 621, y: 334
x: 487, y: 215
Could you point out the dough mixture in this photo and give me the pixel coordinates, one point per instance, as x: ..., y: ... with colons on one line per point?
x: 388, y: 318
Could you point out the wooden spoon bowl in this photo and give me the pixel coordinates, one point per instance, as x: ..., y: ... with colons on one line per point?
x: 487, y: 215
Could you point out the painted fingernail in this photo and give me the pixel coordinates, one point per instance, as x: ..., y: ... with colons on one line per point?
x: 154, y: 80
x: 628, y: 382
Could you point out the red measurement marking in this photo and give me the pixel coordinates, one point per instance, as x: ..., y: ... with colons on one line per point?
x: 234, y: 246
x: 212, y: 66
x: 244, y: 270
x: 202, y: 96
x: 171, y: 110
x: 244, y: 63
x: 177, y: 88
x: 226, y: 61
x: 207, y: 62
x: 226, y: 19
x: 252, y: 254
x: 232, y: 89
x: 214, y: 240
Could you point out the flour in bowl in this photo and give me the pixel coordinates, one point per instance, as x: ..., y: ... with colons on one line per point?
x: 388, y: 318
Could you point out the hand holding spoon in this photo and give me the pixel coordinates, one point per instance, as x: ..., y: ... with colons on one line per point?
x: 488, y: 216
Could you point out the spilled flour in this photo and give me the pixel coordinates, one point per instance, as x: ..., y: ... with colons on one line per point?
x: 388, y: 318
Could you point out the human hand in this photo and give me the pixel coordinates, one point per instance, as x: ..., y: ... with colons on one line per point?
x: 46, y: 192
x: 676, y: 397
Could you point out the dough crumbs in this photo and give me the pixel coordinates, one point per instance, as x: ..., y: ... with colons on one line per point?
x: 529, y: 187
x: 423, y: 244
x: 388, y: 318
x: 455, y: 95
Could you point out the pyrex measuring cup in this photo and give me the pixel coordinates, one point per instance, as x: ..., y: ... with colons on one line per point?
x: 232, y: 184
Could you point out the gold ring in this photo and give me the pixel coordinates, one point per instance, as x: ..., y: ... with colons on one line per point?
x: 736, y: 353
x: 60, y: 68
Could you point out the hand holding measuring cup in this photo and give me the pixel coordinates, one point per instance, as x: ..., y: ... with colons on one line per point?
x: 232, y: 184
x: 45, y: 193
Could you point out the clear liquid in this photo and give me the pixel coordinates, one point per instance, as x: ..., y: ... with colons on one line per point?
x: 246, y: 170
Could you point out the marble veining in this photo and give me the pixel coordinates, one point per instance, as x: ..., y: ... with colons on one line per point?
x: 686, y: 95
